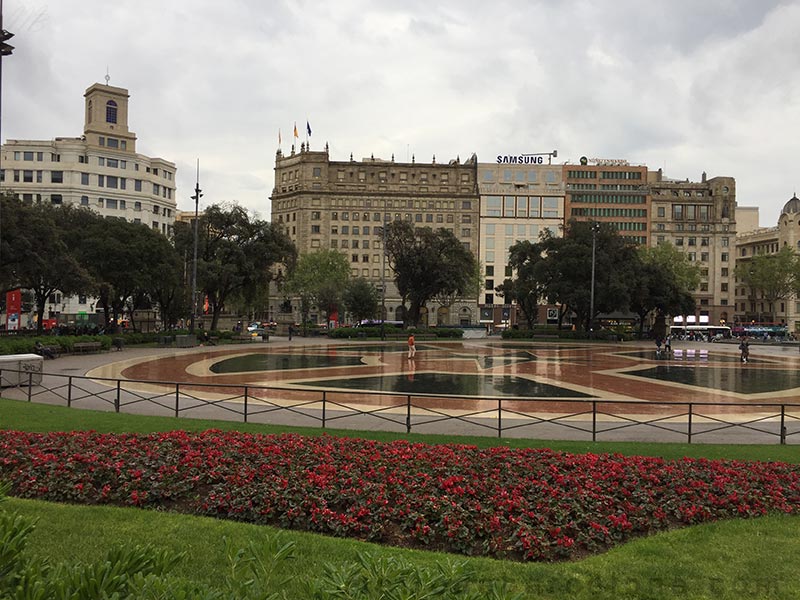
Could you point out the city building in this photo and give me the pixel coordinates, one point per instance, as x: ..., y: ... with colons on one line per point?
x: 338, y: 205
x: 699, y: 218
x: 518, y: 201
x: 101, y: 170
x: 609, y: 191
x: 751, y: 306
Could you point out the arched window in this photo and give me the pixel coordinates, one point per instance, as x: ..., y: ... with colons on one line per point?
x: 111, y: 112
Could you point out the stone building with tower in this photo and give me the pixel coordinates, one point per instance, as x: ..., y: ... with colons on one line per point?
x: 101, y: 169
x: 341, y: 205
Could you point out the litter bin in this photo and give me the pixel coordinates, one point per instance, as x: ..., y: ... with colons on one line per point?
x: 165, y: 340
x: 118, y: 343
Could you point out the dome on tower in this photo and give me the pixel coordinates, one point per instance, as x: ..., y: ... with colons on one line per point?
x: 792, y: 206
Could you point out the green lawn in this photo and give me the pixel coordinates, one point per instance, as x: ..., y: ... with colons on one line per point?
x: 756, y: 558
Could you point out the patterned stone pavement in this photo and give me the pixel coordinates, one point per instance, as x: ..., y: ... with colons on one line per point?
x: 535, y: 383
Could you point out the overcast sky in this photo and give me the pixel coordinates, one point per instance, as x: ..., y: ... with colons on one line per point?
x: 684, y: 85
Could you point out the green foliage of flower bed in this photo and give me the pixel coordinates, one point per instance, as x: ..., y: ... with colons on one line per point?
x: 565, y: 334
x: 523, y: 504
x: 65, y: 343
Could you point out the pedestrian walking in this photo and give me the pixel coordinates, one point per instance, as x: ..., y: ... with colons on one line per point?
x: 744, y: 349
x: 412, y: 347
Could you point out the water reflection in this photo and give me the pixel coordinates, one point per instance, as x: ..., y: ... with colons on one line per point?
x: 742, y: 381
x: 276, y: 362
x: 452, y: 384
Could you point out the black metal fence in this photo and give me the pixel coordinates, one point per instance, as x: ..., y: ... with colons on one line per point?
x: 544, y: 418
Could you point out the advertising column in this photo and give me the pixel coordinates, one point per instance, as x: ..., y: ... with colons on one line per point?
x: 13, y: 309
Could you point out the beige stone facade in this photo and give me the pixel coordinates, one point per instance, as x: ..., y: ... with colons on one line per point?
x: 100, y: 169
x: 339, y: 205
x: 751, y: 307
x: 699, y: 218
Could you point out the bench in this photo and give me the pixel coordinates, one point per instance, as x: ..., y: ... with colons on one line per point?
x: 87, y: 347
x: 246, y: 338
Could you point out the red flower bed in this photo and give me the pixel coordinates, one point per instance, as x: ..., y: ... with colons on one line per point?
x: 521, y: 504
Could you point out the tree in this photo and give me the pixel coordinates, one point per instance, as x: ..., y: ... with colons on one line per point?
x: 661, y: 281
x: 529, y: 284
x: 236, y: 255
x: 361, y: 299
x: 566, y: 272
x: 427, y: 264
x: 772, y: 277
x: 128, y: 261
x: 319, y: 279
x: 35, y: 254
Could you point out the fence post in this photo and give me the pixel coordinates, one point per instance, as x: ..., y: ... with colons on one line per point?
x: 499, y: 417
x: 246, y: 390
x: 689, y: 432
x: 324, y: 406
x: 69, y: 391
x: 408, y: 413
x: 783, y: 424
x: 594, y: 420
x: 177, y: 399
x: 116, y: 399
x: 30, y: 385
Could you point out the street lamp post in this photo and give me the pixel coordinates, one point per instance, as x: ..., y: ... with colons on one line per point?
x: 595, y: 229
x: 383, y: 274
x: 5, y: 50
x: 196, y: 198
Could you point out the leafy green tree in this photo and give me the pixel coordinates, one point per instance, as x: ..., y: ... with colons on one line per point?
x: 128, y: 261
x: 567, y: 271
x: 319, y: 279
x: 528, y: 286
x: 770, y: 277
x: 35, y: 254
x: 236, y: 254
x: 661, y: 284
x: 361, y: 299
x: 427, y: 264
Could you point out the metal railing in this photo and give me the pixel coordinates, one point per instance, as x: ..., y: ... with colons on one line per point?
x: 546, y: 418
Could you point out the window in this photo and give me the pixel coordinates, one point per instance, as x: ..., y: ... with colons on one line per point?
x: 137, y: 185
x: 661, y: 211
x: 723, y: 257
x: 112, y: 181
x: 315, y: 229
x: 111, y: 203
x: 57, y: 176
x: 27, y: 176
x: 724, y: 272
x: 679, y: 241
x: 26, y: 155
x: 316, y: 215
x: 112, y: 162
x: 725, y: 242
x: 56, y: 199
x: 84, y: 200
x: 466, y: 205
x: 677, y: 212
x: 84, y: 179
x: 101, y: 181
x: 111, y: 112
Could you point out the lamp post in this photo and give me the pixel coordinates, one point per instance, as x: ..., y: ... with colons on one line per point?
x: 595, y: 229
x: 196, y: 198
x: 383, y: 274
x: 5, y: 50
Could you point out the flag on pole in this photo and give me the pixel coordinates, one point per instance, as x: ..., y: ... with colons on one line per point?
x: 295, y: 129
x: 308, y: 129
x: 279, y: 137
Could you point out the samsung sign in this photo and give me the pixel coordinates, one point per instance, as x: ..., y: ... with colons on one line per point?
x: 520, y: 159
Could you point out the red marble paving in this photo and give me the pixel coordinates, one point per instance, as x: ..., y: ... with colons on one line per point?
x: 584, y: 368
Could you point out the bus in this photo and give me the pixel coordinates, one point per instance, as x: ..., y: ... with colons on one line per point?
x: 700, y: 333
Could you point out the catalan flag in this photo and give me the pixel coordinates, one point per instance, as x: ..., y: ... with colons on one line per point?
x: 295, y: 130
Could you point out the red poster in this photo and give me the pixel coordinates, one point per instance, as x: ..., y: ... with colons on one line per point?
x: 13, y: 309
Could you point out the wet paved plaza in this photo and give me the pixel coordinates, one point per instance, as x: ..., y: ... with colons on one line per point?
x: 459, y: 370
x: 699, y: 392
